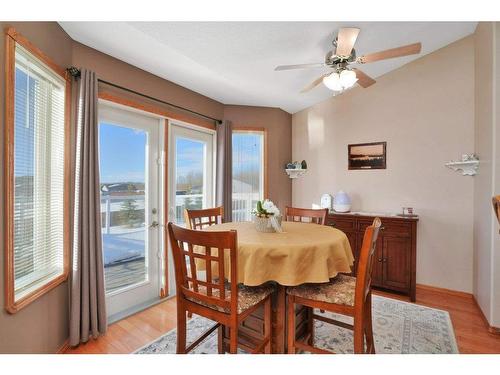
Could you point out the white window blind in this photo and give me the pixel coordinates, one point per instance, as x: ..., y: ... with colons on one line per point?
x: 248, y: 173
x: 38, y: 174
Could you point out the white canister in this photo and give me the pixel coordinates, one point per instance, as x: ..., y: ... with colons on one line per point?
x: 341, y: 202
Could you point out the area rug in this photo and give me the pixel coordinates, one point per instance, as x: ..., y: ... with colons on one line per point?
x: 399, y: 328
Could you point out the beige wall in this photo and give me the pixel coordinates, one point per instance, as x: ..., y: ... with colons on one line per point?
x: 41, y: 327
x: 279, y: 134
x: 483, y: 119
x: 487, y: 182
x: 425, y: 112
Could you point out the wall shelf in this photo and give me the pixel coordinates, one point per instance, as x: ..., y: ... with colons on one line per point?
x: 294, y: 173
x: 468, y: 165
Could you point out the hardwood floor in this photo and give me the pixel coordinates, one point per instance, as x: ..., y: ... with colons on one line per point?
x: 129, y: 334
x: 139, y: 329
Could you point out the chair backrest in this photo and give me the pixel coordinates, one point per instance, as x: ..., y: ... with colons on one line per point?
x: 365, y: 263
x: 317, y: 216
x: 195, y: 246
x: 199, y: 219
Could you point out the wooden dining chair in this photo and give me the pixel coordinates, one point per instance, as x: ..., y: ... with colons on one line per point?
x: 344, y: 295
x: 218, y: 298
x: 317, y: 216
x: 200, y: 219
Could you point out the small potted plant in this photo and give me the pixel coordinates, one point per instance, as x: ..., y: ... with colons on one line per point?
x: 267, y: 217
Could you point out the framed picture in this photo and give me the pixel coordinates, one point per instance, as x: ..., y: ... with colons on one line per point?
x: 367, y: 155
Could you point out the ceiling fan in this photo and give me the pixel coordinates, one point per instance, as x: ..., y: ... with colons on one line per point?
x: 343, y: 55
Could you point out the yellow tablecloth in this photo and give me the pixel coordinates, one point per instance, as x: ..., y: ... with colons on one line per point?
x: 303, y: 253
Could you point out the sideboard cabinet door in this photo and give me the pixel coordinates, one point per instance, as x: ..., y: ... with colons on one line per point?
x: 396, y: 262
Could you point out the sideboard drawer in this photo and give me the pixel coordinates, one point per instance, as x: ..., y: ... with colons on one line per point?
x: 340, y: 223
x: 392, y: 228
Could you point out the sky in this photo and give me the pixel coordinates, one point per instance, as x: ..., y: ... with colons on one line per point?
x: 190, y: 156
x: 122, y: 154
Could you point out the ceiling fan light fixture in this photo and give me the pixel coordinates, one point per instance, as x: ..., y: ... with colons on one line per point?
x: 332, y: 81
x: 340, y: 81
x: 347, y: 78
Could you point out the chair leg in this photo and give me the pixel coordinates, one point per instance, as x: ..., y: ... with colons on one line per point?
x: 310, y: 324
x: 220, y: 339
x: 291, y: 324
x: 370, y: 342
x: 267, y: 325
x: 233, y: 339
x: 181, y: 328
x: 359, y: 334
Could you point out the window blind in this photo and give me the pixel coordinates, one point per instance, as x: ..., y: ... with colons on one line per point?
x: 248, y: 173
x: 39, y: 100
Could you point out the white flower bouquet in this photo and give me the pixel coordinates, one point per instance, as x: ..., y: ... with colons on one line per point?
x: 267, y: 217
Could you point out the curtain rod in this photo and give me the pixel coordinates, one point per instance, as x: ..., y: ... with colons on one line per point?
x: 75, y: 72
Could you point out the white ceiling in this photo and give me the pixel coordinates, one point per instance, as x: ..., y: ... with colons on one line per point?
x: 233, y: 62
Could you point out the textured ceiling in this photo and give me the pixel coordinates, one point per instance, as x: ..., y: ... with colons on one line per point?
x: 233, y: 62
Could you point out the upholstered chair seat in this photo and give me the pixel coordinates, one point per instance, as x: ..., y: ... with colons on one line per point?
x: 248, y: 296
x: 340, y: 290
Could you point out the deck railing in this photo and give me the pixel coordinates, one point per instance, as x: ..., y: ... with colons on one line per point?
x: 129, y: 210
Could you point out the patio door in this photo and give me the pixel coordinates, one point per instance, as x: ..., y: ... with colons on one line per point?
x: 129, y: 152
x: 191, y: 171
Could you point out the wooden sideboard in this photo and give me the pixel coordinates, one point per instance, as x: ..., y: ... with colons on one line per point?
x: 395, y: 264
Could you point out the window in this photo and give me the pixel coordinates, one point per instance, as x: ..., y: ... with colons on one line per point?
x: 36, y: 173
x: 248, y: 172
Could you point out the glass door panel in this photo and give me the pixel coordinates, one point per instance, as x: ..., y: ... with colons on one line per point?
x: 189, y: 176
x: 129, y: 150
x: 123, y: 203
x: 191, y: 179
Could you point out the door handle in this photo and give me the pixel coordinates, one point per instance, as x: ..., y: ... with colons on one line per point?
x: 154, y: 224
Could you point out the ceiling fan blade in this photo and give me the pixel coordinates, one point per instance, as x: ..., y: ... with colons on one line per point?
x: 345, y: 40
x: 314, y: 83
x: 364, y: 80
x: 410, y: 49
x: 299, y: 66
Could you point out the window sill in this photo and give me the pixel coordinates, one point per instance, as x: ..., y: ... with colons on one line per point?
x: 13, y: 307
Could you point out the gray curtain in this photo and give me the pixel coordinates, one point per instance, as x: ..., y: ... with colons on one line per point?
x: 224, y: 169
x: 87, y: 295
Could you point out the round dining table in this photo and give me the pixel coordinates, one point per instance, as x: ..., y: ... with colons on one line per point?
x: 301, y: 253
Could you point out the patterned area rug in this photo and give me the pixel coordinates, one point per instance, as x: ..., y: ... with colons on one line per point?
x: 399, y: 328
